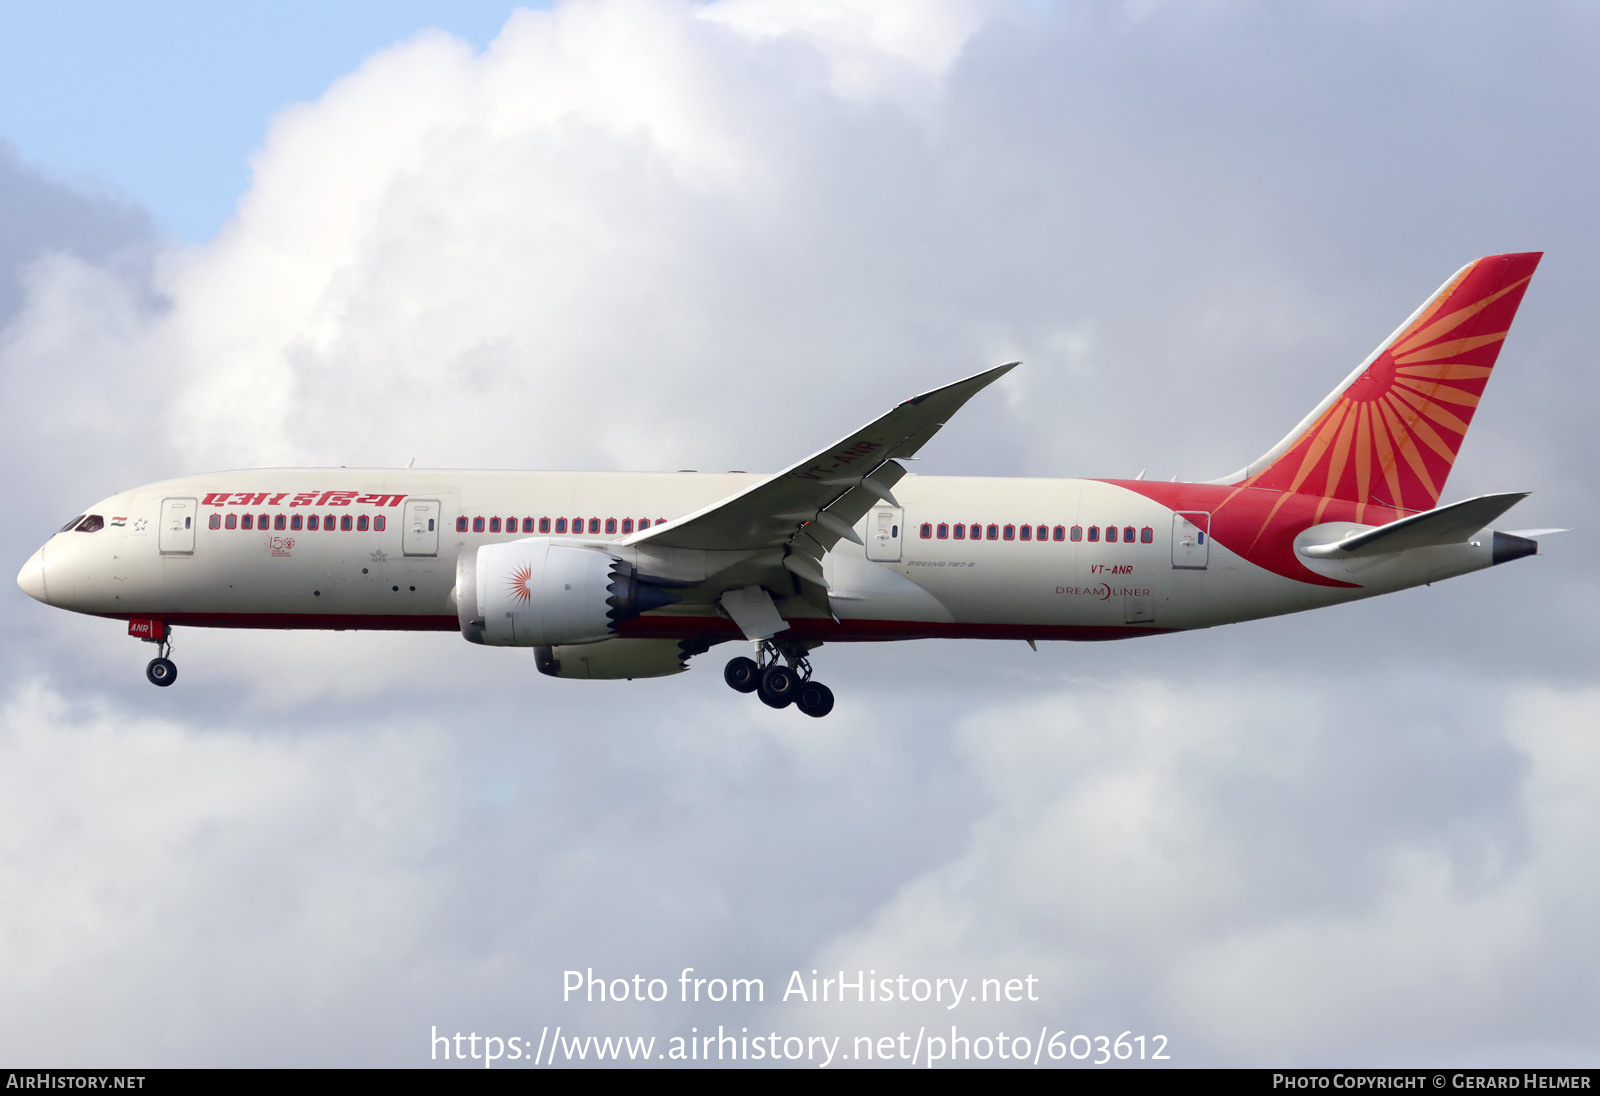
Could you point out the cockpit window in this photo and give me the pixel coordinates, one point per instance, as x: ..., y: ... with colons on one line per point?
x: 92, y: 524
x: 70, y: 524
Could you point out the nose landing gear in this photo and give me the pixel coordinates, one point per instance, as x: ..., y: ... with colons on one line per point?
x: 161, y: 670
x: 780, y: 683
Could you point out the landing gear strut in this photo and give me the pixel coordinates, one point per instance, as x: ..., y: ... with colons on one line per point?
x: 780, y: 683
x: 161, y: 670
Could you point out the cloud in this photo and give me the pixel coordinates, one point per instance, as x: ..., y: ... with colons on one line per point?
x: 45, y: 216
x: 1235, y: 875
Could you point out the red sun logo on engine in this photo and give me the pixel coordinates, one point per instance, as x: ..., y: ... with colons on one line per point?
x: 519, y: 583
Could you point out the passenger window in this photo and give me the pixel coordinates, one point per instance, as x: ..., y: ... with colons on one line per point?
x: 1077, y: 532
x: 627, y: 525
x: 1111, y: 534
x: 944, y: 531
x: 494, y: 525
x: 544, y: 525
x: 1058, y: 533
x: 994, y: 532
x: 594, y: 525
x: 344, y: 523
x: 279, y: 522
x: 477, y: 525
x: 1147, y: 535
x: 248, y: 521
x: 1027, y: 532
x: 233, y: 521
x: 611, y: 525
x: 926, y: 531
x: 379, y: 522
x: 215, y: 522
x: 961, y: 531
x: 261, y: 522
x: 329, y: 523
x: 1044, y: 532
x: 361, y: 524
x: 527, y: 525
x: 561, y: 525
x: 461, y: 525
x: 1094, y: 533
x: 311, y: 523
x: 1011, y: 532
x: 511, y: 525
x: 644, y: 523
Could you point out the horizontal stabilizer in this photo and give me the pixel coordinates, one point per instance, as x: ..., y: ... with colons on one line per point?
x: 1446, y: 525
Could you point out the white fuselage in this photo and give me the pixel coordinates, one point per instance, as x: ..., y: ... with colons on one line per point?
x: 194, y: 551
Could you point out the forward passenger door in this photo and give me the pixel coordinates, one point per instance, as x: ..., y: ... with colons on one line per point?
x: 420, y: 536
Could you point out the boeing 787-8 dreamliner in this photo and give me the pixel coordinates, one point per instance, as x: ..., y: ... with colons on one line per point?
x: 624, y: 575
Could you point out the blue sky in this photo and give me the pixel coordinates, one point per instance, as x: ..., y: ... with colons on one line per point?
x: 163, y: 103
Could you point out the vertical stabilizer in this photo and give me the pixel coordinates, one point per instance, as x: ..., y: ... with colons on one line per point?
x: 1390, y: 433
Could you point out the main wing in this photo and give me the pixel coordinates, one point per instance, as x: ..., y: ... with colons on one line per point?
x: 814, y: 503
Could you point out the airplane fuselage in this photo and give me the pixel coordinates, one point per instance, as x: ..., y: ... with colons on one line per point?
x: 621, y: 575
x: 961, y: 557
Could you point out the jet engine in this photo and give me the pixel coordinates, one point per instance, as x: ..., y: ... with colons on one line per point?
x: 541, y: 593
x: 614, y: 659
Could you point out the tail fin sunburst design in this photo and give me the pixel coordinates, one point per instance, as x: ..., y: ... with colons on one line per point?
x: 1390, y: 435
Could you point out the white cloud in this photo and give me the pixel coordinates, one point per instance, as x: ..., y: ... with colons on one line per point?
x: 1112, y: 866
x: 892, y: 48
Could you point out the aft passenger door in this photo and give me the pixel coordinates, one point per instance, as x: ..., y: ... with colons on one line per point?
x: 1191, y: 544
x: 177, y: 527
x: 884, y: 526
x: 420, y: 536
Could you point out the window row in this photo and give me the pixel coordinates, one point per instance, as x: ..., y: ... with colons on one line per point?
x: 551, y: 525
x: 344, y: 523
x: 978, y: 531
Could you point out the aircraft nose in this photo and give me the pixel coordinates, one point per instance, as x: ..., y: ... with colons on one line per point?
x: 31, y: 578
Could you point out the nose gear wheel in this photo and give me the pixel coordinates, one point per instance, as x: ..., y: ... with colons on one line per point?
x: 161, y: 670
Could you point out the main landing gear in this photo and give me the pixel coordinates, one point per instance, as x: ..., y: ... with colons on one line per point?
x: 780, y: 684
x: 161, y: 670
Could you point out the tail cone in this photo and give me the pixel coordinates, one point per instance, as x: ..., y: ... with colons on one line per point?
x: 1509, y: 546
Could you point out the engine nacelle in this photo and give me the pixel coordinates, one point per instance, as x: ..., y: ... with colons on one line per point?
x: 613, y: 659
x: 542, y: 592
